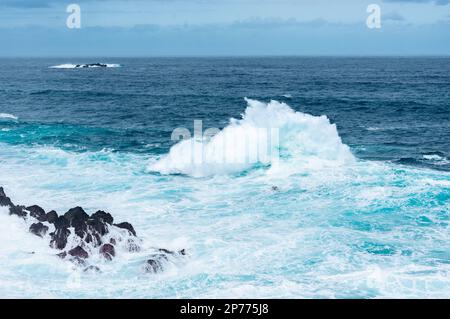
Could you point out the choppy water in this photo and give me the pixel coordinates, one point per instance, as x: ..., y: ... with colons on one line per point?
x: 363, y: 205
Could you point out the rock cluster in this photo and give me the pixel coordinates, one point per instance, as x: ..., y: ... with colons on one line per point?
x: 88, y: 232
x: 92, y: 65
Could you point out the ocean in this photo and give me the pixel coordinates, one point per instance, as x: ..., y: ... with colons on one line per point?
x: 356, y: 206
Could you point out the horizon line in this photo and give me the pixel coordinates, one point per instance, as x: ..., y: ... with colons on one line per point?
x: 225, y: 56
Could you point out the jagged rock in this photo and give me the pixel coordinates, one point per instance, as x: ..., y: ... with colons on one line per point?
x: 78, y: 252
x: 76, y: 214
x: 37, y: 212
x: 101, y: 215
x: 127, y: 226
x: 90, y: 65
x: 17, y: 210
x: 77, y: 218
x: 51, y: 216
x: 107, y: 251
x: 155, y: 263
x: 38, y: 229
x: 5, y: 200
x: 98, y: 223
x: 91, y: 229
x: 59, y: 236
x: 61, y: 222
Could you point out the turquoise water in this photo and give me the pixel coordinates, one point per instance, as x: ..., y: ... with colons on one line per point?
x: 363, y: 199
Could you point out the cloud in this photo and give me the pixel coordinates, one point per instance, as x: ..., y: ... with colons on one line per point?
x: 49, y: 3
x: 393, y: 16
x: 436, y: 2
x: 42, y: 3
x: 278, y: 23
x: 26, y: 3
x: 264, y: 37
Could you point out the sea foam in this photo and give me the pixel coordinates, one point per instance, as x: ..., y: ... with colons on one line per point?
x: 7, y: 116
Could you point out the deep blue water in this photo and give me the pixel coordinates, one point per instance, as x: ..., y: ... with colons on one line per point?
x: 360, y: 209
x: 394, y: 109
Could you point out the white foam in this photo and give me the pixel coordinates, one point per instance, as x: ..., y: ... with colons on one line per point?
x: 301, y: 241
x: 73, y: 66
x: 305, y: 142
x: 8, y: 116
x: 436, y: 159
x: 433, y: 157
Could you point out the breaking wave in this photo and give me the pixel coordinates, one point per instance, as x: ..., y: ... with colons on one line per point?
x: 291, y: 138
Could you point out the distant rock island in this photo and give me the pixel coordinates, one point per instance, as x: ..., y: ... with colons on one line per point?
x: 91, y: 65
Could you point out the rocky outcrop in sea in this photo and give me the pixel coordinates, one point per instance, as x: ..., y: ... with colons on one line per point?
x: 77, y: 236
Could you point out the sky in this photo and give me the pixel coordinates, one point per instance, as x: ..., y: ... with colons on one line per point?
x: 224, y: 27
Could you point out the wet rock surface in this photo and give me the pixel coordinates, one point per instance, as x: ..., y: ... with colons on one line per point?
x: 37, y: 212
x: 78, y: 235
x: 38, y: 229
x: 127, y: 226
x: 107, y: 251
x: 78, y: 252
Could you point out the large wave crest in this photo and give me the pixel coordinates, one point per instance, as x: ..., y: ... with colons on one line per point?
x: 302, y: 140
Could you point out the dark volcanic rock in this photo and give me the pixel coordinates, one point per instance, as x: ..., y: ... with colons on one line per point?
x: 5, y: 200
x: 59, y: 236
x: 127, y: 226
x: 61, y: 222
x: 107, y: 251
x: 76, y: 214
x: 37, y: 212
x: 38, y: 229
x: 78, y: 252
x: 51, y: 216
x: 103, y: 216
x: 91, y: 230
x: 155, y: 263
x: 98, y: 223
x: 77, y: 218
x: 80, y: 228
x: 17, y: 210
